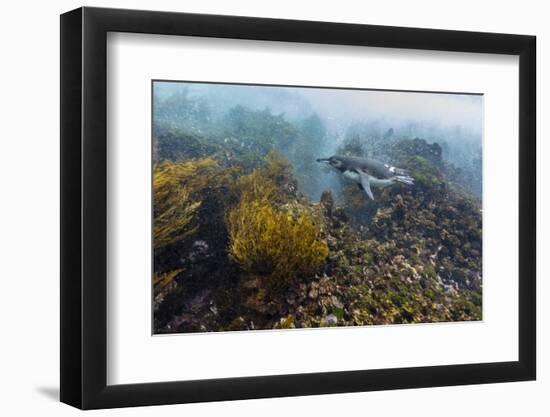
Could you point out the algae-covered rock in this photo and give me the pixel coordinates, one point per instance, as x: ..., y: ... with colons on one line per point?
x: 277, y: 260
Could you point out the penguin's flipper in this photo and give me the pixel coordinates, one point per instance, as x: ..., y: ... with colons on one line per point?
x: 366, y: 184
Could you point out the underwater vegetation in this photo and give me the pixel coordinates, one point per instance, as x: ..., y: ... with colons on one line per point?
x: 266, y: 240
x: 270, y: 240
x: 180, y: 189
x: 250, y: 233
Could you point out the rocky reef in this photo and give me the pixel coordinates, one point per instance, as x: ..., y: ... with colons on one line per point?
x: 238, y: 247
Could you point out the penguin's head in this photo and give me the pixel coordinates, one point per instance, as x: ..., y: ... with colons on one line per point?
x: 333, y: 161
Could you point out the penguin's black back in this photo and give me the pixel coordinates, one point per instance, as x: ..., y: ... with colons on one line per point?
x: 370, y: 166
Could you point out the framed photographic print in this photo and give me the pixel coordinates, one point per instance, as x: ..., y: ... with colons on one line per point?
x: 257, y: 207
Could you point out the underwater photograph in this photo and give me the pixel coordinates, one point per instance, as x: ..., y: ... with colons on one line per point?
x: 281, y: 207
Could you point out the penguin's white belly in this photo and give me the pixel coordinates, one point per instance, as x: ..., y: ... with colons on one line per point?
x: 352, y: 176
x: 380, y: 183
x: 373, y: 181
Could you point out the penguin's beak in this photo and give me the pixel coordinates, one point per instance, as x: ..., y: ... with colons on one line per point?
x: 325, y: 160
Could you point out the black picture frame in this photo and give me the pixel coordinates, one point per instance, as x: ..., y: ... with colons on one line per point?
x: 84, y: 207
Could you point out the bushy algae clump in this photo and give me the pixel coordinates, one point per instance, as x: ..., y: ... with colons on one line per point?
x: 181, y: 190
x: 174, y: 209
x: 272, y: 181
x: 267, y: 240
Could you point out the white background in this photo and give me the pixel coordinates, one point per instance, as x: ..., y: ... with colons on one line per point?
x: 133, y: 60
x: 29, y: 211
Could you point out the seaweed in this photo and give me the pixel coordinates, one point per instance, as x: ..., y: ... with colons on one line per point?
x: 174, y: 208
x: 189, y: 199
x: 268, y: 240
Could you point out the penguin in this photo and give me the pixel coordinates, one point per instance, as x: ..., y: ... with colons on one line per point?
x: 368, y: 173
